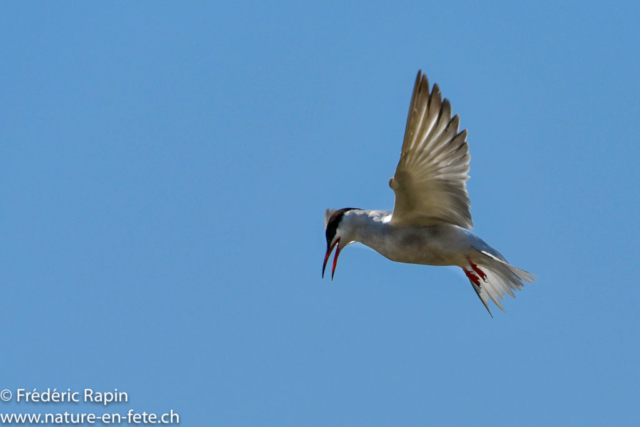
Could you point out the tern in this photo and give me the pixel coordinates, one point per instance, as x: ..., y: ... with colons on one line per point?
x: 430, y: 221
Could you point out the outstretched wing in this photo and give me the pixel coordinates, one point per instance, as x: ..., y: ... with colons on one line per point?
x: 430, y: 180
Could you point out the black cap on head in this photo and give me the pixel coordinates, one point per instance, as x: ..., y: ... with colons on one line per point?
x: 334, y: 222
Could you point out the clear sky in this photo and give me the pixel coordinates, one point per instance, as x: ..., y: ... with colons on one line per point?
x: 165, y: 171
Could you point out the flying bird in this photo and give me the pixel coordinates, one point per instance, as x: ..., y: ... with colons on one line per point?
x: 430, y: 221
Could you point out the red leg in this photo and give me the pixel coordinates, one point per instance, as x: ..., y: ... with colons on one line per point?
x: 477, y: 270
x: 475, y: 279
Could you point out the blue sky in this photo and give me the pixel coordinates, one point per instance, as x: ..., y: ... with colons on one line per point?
x: 165, y: 171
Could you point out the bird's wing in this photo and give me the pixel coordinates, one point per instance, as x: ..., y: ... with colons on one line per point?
x: 430, y: 180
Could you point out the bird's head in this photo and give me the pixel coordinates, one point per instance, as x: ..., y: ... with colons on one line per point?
x: 336, y: 233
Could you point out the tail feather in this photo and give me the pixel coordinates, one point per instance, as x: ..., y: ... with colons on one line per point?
x: 482, y: 296
x: 501, y: 278
x: 492, y: 289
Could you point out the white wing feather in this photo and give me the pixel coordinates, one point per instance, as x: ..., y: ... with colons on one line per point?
x: 430, y: 180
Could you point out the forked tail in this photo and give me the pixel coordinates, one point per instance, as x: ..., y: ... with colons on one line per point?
x: 492, y: 277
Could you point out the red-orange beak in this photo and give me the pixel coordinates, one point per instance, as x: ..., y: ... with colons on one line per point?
x: 335, y: 259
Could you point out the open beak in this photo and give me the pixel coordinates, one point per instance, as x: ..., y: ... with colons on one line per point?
x: 335, y: 259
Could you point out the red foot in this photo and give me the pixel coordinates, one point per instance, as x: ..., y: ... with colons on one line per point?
x: 477, y: 270
x: 475, y: 279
